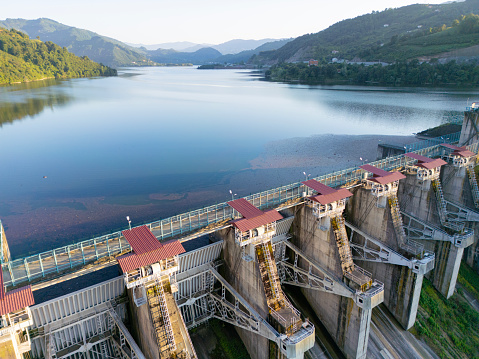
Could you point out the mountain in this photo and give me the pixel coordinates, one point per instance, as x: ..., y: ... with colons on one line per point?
x: 200, y: 56
x: 347, y: 39
x: 238, y: 45
x: 81, y: 42
x: 246, y: 55
x: 184, y: 46
x: 229, y: 47
x: 24, y: 60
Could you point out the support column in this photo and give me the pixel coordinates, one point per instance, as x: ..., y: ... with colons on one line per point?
x: 402, y: 286
x: 347, y: 323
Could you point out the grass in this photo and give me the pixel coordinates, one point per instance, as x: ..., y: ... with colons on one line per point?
x: 450, y: 327
x: 469, y: 280
x: 228, y: 346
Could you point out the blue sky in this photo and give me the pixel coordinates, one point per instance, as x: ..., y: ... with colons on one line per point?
x: 207, y: 21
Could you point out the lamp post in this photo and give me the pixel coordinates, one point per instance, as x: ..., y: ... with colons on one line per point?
x: 232, y: 195
x: 129, y: 222
x: 306, y: 176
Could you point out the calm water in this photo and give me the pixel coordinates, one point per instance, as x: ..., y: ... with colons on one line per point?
x: 157, y: 141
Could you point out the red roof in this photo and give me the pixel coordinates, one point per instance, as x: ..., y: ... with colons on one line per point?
x: 318, y: 186
x: 141, y: 240
x: 459, y: 151
x: 381, y: 176
x: 132, y: 261
x: 426, y: 162
x: 332, y: 197
x: 245, y: 224
x: 246, y: 209
x: 326, y: 194
x: 16, y: 299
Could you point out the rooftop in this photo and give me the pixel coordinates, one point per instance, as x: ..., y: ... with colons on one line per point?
x: 382, y: 177
x: 326, y: 194
x: 426, y: 162
x: 253, y: 217
x: 459, y: 151
x: 146, y: 249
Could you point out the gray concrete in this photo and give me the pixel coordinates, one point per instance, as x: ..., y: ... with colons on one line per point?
x: 345, y: 321
x: 245, y: 278
x: 402, y: 287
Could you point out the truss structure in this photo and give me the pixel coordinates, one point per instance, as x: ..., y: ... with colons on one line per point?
x: 420, y: 230
x: 367, y: 248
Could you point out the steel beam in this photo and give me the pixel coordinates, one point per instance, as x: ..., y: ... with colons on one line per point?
x: 417, y: 229
x: 373, y: 250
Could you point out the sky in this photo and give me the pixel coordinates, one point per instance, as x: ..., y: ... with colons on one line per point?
x: 208, y: 21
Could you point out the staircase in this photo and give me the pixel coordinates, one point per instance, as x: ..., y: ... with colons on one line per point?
x: 441, y: 207
x: 342, y: 242
x: 269, y: 274
x: 280, y: 309
x: 161, y: 319
x: 474, y: 186
x: 403, y: 242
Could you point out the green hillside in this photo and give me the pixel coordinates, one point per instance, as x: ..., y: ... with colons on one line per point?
x: 462, y: 33
x: 351, y: 38
x: 22, y: 60
x: 81, y: 42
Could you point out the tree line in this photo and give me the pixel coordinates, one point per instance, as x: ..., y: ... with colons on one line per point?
x: 412, y: 73
x: 23, y: 59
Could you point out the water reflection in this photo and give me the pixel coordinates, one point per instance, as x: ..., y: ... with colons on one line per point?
x: 29, y: 99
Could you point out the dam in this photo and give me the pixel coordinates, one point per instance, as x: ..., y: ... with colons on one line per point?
x: 349, y: 241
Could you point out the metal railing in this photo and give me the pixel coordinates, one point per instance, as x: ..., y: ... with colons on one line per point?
x: 78, y: 254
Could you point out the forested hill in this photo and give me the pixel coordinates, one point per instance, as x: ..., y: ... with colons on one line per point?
x: 350, y: 38
x: 81, y: 42
x: 23, y: 59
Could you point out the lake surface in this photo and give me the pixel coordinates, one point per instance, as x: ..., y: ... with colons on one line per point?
x: 76, y: 156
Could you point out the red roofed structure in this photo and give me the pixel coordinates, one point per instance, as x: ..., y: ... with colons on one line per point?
x: 149, y: 259
x: 426, y: 162
x: 326, y: 194
x: 255, y: 225
x: 15, y: 299
x: 382, y: 177
x: 459, y: 151
x: 427, y: 168
x: 383, y: 183
x: 133, y: 261
x: 329, y: 201
x: 246, y: 209
x: 141, y: 240
x: 460, y: 157
x: 246, y: 224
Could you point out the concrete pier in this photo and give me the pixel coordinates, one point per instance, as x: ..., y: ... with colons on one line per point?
x: 402, y: 285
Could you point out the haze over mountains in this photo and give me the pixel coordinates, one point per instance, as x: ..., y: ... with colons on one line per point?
x: 231, y: 47
x: 393, y: 34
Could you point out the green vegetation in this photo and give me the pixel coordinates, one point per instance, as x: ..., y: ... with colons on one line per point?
x: 364, y: 35
x: 428, y: 42
x: 467, y: 277
x: 400, y: 74
x: 450, y: 327
x: 23, y: 60
x: 81, y: 42
x: 228, y: 346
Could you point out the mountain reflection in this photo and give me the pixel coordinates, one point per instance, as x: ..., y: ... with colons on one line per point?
x: 29, y: 99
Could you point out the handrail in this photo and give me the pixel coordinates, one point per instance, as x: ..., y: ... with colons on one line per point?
x: 20, y: 270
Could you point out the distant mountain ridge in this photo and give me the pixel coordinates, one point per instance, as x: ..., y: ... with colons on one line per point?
x: 231, y: 47
x: 81, y: 42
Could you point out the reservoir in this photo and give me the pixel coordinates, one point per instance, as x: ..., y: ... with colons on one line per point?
x: 78, y: 156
